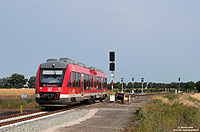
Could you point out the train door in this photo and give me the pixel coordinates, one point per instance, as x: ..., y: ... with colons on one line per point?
x: 82, y: 88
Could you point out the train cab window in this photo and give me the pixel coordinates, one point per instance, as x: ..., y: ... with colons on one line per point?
x: 74, y: 79
x: 70, y: 81
x: 77, y: 79
x: 51, y: 77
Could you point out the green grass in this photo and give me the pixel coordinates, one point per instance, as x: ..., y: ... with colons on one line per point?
x: 171, y: 96
x: 161, y: 117
x: 193, y: 99
x: 16, y: 103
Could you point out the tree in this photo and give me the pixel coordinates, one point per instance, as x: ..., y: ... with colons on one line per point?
x: 189, y: 85
x: 116, y: 85
x: 130, y: 85
x: 174, y: 85
x: 5, y: 82
x: 17, y: 80
x: 198, y: 86
x: 31, y: 82
x: 150, y: 85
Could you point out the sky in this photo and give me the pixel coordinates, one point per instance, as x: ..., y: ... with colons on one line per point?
x: 154, y: 39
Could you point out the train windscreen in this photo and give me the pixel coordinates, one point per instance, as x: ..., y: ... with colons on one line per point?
x: 51, y: 77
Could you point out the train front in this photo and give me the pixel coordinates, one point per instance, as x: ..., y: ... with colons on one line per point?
x: 49, y: 81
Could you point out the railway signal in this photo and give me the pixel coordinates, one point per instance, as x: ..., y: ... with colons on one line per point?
x: 112, y: 69
x: 112, y: 66
x: 112, y: 56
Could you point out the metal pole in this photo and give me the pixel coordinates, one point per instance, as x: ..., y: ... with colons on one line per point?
x: 179, y: 79
x: 142, y: 88
x: 142, y: 80
x: 122, y: 84
x: 133, y: 84
x: 112, y: 76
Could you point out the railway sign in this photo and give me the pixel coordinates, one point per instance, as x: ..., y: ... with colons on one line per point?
x: 24, y: 96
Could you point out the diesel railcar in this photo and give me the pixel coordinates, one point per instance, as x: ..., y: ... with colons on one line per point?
x: 63, y: 82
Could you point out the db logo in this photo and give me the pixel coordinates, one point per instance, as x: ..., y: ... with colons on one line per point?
x: 49, y: 89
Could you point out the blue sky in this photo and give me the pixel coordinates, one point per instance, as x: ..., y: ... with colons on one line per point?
x: 154, y: 39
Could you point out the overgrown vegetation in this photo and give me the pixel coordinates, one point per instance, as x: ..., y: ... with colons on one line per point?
x: 171, y: 96
x: 162, y: 117
x: 193, y: 99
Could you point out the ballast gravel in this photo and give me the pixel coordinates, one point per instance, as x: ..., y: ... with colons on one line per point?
x: 46, y: 122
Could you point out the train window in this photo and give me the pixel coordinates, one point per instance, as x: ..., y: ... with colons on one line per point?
x: 77, y: 79
x: 74, y: 79
x: 70, y: 81
x: 105, y: 83
x: 99, y: 83
x: 51, y: 77
x: 95, y: 81
x: 88, y: 81
x: 92, y: 81
x: 85, y: 81
x: 82, y: 81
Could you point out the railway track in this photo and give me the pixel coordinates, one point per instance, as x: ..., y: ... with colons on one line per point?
x: 12, y: 119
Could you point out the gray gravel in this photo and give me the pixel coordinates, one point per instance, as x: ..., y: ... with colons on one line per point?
x: 48, y: 122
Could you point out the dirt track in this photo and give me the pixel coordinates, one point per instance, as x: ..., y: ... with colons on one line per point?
x: 184, y: 99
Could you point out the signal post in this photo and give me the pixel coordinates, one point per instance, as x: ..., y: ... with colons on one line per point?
x: 112, y: 69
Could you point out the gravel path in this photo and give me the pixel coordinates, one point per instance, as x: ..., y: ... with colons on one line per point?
x: 46, y: 122
x: 100, y: 117
x: 110, y: 117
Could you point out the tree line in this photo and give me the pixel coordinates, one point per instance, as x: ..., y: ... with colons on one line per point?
x: 17, y: 81
x: 184, y: 86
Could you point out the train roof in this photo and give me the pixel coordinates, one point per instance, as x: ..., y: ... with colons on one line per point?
x: 63, y: 62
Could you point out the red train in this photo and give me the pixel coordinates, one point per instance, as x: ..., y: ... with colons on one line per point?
x: 63, y: 82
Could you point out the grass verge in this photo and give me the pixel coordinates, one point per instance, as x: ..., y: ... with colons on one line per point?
x: 171, y: 96
x: 15, y: 103
x: 162, y: 117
